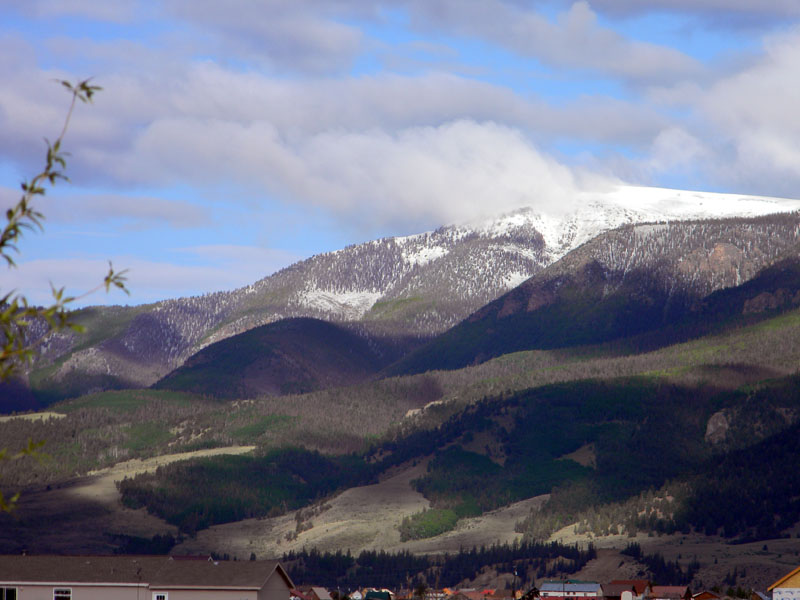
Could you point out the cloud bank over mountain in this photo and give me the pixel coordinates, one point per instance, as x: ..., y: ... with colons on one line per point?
x: 303, y: 127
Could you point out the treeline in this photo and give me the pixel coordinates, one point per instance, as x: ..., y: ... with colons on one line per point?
x: 403, y: 569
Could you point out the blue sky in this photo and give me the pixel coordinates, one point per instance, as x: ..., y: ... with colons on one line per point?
x: 233, y: 138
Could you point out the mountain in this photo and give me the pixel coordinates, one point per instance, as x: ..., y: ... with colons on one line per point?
x: 626, y: 282
x: 408, y: 288
x: 600, y: 428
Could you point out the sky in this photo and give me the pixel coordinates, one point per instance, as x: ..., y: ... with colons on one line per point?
x: 233, y: 138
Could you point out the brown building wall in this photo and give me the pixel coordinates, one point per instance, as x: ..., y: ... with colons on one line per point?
x: 275, y: 589
x: 82, y: 592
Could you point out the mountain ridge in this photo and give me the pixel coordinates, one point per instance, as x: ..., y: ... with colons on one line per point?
x: 622, y: 283
x: 415, y: 286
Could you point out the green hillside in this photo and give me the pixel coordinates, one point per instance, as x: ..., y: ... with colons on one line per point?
x: 289, y: 356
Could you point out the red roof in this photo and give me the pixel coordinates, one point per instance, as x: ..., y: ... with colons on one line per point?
x: 669, y: 591
x: 640, y: 585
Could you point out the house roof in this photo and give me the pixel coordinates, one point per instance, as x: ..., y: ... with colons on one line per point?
x: 640, y: 585
x: 321, y: 592
x: 575, y: 588
x: 156, y: 571
x: 669, y: 591
x: 80, y: 569
x: 616, y: 589
x: 783, y: 579
x: 250, y: 574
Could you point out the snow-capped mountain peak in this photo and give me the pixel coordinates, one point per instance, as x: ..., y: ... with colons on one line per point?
x: 414, y: 286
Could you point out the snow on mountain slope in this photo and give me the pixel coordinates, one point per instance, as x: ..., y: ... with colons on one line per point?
x: 414, y: 286
x: 596, y: 213
x: 429, y: 281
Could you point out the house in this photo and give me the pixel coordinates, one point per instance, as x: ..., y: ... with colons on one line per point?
x: 139, y: 578
x: 299, y: 594
x: 619, y: 591
x: 311, y: 592
x: 641, y: 587
x: 787, y: 587
x: 467, y: 594
x: 670, y: 592
x: 570, y: 589
x: 706, y: 595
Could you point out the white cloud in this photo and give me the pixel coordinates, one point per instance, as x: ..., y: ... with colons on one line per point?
x: 717, y: 11
x: 576, y: 40
x: 119, y: 11
x: 132, y: 212
x: 417, y: 175
x: 309, y: 140
x: 749, y: 122
x: 283, y: 34
x: 386, y: 148
x: 675, y: 149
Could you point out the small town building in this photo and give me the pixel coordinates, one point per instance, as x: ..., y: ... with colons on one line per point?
x: 641, y: 587
x: 140, y: 578
x: 670, y: 592
x: 299, y: 594
x: 570, y: 589
x: 311, y: 592
x: 619, y: 591
x: 787, y: 587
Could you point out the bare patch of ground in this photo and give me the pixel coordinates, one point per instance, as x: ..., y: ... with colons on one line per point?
x: 585, y: 455
x: 37, y: 416
x: 362, y: 518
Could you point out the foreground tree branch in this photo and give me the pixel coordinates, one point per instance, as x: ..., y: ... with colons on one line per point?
x: 16, y: 313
